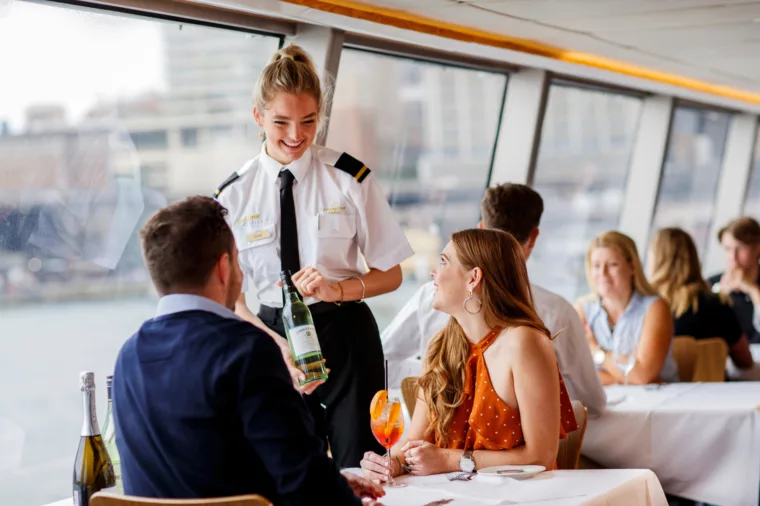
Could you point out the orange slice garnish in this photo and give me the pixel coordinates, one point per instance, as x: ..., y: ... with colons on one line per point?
x: 393, y: 414
x: 378, y: 403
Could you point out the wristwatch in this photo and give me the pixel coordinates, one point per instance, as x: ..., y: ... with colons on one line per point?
x: 466, y: 462
x: 599, y: 356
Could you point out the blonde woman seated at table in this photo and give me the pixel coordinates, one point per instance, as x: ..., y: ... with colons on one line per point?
x: 624, y: 314
x: 675, y: 272
x: 490, y: 379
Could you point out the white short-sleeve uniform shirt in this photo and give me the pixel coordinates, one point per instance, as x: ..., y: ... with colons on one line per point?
x: 343, y: 217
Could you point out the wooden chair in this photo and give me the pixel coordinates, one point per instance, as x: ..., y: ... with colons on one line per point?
x: 570, y: 448
x: 685, y: 355
x: 409, y: 390
x: 700, y: 359
x: 711, y: 360
x: 100, y: 499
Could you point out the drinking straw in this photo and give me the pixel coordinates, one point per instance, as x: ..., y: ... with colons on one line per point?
x: 386, y: 375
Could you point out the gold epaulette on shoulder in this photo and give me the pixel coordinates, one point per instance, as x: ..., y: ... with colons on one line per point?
x: 226, y: 183
x: 351, y: 165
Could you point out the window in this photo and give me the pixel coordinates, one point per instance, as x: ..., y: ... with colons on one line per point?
x: 427, y: 132
x: 189, y: 137
x: 581, y: 172
x: 154, y: 177
x: 689, y: 182
x: 752, y: 201
x: 150, y: 140
x: 91, y: 143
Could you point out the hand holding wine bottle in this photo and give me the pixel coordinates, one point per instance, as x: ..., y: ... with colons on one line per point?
x: 297, y: 374
x: 93, y: 470
x: 302, y: 336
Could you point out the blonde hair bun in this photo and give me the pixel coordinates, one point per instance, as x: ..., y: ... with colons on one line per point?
x: 294, y: 53
x: 290, y: 70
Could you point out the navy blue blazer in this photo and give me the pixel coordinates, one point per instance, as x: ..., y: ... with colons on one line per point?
x: 204, y: 407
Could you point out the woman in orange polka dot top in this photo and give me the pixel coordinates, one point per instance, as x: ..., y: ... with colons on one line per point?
x: 490, y: 391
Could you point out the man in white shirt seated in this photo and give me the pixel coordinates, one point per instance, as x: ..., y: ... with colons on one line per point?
x: 516, y: 209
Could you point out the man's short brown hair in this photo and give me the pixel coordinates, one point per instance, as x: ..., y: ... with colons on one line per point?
x: 744, y: 229
x: 512, y: 208
x: 183, y: 242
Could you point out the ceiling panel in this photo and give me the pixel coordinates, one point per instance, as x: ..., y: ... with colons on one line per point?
x: 556, y: 11
x: 710, y: 40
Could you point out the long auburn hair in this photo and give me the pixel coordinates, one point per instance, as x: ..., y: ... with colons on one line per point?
x: 507, y: 302
x: 627, y: 248
x: 676, y: 272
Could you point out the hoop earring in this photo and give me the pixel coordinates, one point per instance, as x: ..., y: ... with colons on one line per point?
x: 472, y: 297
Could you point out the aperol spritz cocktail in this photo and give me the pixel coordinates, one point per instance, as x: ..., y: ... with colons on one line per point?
x: 387, y: 423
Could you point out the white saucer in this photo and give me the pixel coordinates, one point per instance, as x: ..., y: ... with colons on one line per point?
x: 516, y: 472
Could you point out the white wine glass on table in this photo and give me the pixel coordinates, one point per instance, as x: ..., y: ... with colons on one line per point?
x: 625, y: 360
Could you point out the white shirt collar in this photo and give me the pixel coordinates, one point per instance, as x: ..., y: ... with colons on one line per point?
x: 299, y: 168
x: 178, y: 302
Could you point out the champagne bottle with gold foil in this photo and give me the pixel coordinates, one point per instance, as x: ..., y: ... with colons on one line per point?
x: 93, y: 470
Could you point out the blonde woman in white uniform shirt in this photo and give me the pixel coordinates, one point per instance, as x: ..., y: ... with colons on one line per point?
x: 319, y: 214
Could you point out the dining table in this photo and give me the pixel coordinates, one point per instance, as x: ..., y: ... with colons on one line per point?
x: 597, y: 487
x: 702, y: 440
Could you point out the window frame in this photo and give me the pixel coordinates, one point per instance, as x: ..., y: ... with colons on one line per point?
x: 697, y: 107
x: 554, y: 81
x: 387, y: 47
x: 181, y: 12
x: 419, y: 54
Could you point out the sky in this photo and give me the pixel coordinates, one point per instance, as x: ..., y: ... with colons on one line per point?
x: 58, y: 55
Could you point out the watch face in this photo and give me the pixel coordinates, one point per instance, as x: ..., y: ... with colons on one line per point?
x: 599, y: 357
x: 467, y: 465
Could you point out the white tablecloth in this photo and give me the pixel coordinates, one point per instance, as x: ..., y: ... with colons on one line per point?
x: 608, y: 487
x: 701, y: 439
x: 603, y: 487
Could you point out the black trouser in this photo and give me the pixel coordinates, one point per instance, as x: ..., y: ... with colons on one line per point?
x: 350, y: 343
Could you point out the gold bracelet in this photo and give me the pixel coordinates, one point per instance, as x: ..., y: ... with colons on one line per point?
x: 340, y: 303
x: 364, y: 290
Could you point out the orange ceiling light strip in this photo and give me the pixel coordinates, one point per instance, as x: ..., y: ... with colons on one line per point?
x: 417, y: 23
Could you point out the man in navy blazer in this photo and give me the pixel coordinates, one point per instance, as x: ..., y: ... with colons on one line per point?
x: 203, y: 402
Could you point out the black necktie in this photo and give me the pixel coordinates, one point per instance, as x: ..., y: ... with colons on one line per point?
x: 289, y: 258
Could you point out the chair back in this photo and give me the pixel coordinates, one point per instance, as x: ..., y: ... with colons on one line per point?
x: 700, y: 359
x: 685, y: 355
x: 101, y: 499
x: 409, y: 389
x: 711, y: 360
x: 569, y: 452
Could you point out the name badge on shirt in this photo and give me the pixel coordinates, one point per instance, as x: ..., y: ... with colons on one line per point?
x: 258, y: 235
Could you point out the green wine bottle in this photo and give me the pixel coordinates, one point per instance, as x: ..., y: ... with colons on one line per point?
x: 302, y: 337
x: 93, y: 470
x: 109, y: 437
